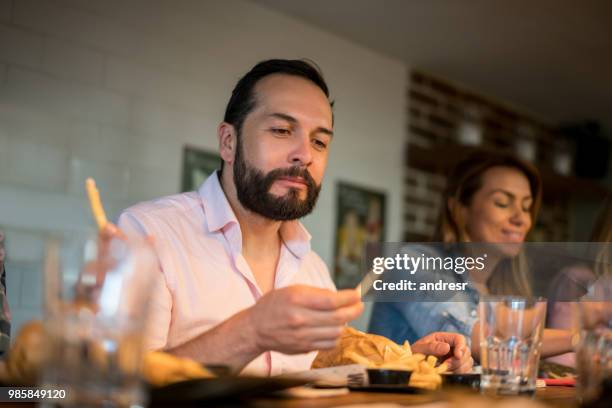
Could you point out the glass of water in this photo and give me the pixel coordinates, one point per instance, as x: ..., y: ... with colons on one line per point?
x: 594, y: 348
x: 511, y: 330
x: 96, y: 305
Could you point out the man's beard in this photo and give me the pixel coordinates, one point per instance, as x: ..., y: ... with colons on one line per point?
x: 253, y: 189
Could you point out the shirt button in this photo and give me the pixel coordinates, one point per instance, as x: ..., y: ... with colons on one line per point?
x: 473, y: 313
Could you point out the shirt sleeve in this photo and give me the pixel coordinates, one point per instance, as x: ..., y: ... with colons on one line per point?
x: 160, y: 312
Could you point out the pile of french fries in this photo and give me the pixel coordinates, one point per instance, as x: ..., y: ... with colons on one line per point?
x: 373, y: 351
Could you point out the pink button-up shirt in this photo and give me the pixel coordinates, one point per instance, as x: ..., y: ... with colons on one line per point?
x: 204, y: 277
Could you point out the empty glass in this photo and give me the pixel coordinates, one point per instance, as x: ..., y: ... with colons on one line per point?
x: 594, y: 348
x: 96, y: 309
x: 511, y: 330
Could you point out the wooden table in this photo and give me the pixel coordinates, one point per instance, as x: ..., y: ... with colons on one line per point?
x: 564, y: 397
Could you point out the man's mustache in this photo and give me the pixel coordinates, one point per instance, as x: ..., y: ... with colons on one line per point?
x: 295, y: 171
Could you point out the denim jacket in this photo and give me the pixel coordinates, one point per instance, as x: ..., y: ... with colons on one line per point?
x: 410, y: 321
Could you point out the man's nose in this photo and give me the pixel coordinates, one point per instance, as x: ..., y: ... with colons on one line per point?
x: 301, y: 155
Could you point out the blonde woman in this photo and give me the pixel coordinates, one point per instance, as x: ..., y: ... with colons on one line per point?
x: 491, y: 199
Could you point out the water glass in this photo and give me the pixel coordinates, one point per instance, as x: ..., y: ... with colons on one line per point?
x: 593, y: 349
x: 511, y: 330
x: 96, y: 305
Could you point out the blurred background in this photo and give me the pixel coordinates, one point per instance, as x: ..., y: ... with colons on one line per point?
x: 130, y: 92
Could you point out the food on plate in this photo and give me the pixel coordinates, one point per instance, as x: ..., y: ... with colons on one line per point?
x: 26, y: 355
x: 374, y: 351
x: 161, y: 368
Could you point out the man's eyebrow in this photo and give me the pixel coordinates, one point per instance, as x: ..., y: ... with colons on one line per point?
x: 324, y: 130
x: 284, y: 116
x: 294, y: 121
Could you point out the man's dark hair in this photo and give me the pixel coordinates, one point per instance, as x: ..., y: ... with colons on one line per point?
x: 243, y: 101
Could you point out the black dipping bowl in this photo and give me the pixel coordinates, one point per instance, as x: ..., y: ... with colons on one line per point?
x: 465, y: 380
x: 388, y: 377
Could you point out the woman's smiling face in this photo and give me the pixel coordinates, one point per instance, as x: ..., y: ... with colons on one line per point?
x: 499, y: 212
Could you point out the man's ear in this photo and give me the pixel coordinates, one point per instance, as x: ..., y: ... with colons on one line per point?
x: 227, y: 142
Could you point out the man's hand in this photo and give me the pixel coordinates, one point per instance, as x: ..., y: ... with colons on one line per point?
x: 450, y: 348
x: 299, y: 319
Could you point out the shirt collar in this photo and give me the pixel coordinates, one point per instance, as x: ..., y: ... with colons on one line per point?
x: 219, y: 215
x: 217, y: 209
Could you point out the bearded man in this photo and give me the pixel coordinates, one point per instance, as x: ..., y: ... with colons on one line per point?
x: 238, y: 283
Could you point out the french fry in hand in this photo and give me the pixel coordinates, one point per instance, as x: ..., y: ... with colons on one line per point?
x: 95, y: 203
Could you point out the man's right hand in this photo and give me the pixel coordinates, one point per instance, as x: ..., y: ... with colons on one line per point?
x: 299, y: 319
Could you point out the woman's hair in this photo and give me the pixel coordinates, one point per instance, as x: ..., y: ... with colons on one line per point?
x: 463, y: 182
x: 603, y: 225
x: 466, y: 179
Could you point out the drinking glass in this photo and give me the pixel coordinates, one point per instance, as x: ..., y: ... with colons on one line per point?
x: 511, y: 330
x: 96, y: 306
x: 594, y: 348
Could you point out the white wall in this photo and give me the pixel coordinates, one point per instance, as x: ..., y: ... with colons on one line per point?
x: 114, y: 89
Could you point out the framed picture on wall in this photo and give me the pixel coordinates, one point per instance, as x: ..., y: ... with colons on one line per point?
x: 198, y: 164
x: 360, y: 220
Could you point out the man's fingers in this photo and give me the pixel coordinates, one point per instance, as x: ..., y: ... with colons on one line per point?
x: 110, y: 231
x: 332, y: 317
x: 323, y: 333
x: 324, y: 299
x: 324, y: 345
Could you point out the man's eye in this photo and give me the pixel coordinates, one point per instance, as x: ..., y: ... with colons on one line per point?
x: 319, y: 144
x: 281, y: 131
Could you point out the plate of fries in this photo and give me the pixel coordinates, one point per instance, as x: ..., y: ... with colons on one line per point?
x: 379, y: 353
